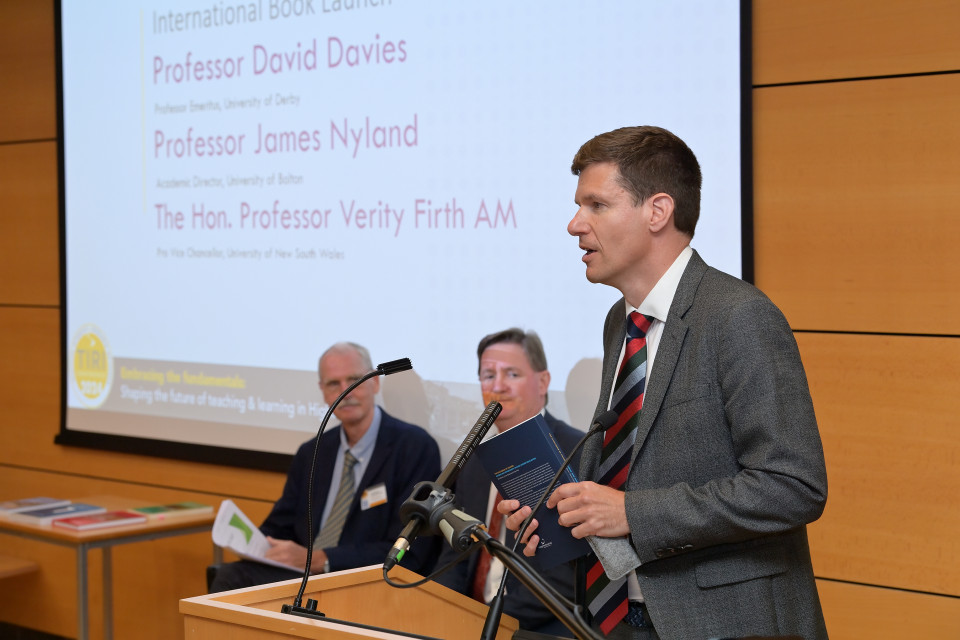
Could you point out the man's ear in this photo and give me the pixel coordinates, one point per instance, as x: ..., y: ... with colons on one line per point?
x: 661, y: 211
x: 544, y: 379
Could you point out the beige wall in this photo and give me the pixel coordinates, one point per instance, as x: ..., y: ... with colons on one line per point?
x: 857, y: 158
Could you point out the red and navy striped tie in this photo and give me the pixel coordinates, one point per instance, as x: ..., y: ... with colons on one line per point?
x: 606, y: 599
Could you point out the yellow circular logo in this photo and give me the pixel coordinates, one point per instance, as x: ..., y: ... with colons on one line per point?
x: 92, y: 366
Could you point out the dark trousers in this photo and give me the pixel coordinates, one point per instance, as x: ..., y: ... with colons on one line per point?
x: 243, y: 574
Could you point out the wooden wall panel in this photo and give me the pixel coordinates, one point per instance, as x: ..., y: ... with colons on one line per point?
x: 149, y: 577
x: 858, y: 612
x: 28, y: 102
x: 29, y: 240
x: 50, y: 589
x: 857, y: 202
x: 809, y: 40
x: 887, y: 407
x: 29, y: 381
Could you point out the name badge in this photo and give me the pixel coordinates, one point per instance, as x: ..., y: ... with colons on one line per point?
x: 373, y: 496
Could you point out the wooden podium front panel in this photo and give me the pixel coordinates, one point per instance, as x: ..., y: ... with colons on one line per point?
x: 357, y: 595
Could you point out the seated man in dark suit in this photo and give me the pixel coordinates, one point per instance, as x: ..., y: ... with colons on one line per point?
x: 379, y: 455
x: 513, y: 371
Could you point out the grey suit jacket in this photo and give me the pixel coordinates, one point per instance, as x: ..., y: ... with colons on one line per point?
x: 727, y: 467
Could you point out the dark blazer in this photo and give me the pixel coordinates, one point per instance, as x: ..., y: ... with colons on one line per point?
x: 728, y: 466
x: 472, y: 490
x: 404, y: 455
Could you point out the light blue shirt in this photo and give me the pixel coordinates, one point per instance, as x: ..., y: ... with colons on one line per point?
x: 362, y: 451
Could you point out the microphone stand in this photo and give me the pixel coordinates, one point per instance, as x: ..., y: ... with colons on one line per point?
x: 384, y: 369
x: 462, y: 531
x: 537, y: 585
x: 428, y: 496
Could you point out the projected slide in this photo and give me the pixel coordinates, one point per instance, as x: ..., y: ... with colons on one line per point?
x: 247, y: 183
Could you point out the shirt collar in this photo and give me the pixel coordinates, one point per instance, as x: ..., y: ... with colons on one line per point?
x: 364, y: 447
x: 658, y: 301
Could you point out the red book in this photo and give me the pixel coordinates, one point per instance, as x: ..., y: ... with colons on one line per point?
x: 97, y: 520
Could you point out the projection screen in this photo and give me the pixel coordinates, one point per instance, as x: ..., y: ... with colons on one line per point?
x: 244, y: 184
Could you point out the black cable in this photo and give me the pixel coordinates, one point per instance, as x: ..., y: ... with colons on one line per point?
x: 386, y: 368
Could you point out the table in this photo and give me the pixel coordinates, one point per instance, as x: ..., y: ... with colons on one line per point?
x: 105, y: 539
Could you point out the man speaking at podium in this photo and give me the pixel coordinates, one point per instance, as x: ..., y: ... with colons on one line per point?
x: 366, y: 467
x: 715, y: 465
x: 513, y: 371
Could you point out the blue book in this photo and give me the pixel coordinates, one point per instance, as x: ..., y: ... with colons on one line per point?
x: 46, y: 516
x: 521, y: 462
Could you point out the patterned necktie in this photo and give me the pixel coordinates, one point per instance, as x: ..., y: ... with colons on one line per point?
x: 330, y: 534
x: 483, y: 564
x: 606, y: 599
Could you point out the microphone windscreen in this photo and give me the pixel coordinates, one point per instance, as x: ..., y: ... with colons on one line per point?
x: 394, y: 366
x: 606, y: 419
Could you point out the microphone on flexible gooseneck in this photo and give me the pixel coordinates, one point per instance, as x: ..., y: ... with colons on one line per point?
x: 603, y: 422
x: 422, y: 505
x: 384, y: 369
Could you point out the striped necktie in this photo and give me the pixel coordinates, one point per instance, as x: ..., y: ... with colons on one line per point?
x: 330, y: 534
x: 606, y: 599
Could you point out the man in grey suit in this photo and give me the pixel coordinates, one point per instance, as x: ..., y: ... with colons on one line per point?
x: 723, y: 465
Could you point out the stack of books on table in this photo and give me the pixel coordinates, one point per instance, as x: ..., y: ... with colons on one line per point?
x: 44, y: 513
x: 80, y: 516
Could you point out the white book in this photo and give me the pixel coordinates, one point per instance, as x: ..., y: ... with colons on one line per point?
x: 30, y: 504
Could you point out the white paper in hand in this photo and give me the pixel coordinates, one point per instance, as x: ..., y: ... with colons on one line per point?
x: 233, y: 530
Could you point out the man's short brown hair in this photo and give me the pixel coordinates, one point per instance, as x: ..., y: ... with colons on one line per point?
x: 650, y: 160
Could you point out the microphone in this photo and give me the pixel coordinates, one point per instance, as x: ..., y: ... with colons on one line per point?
x: 474, y: 436
x: 384, y: 369
x: 394, y: 366
x: 603, y: 422
x: 458, y: 527
x: 427, y: 496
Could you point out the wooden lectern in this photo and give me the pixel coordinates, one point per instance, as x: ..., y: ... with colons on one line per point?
x: 356, y: 595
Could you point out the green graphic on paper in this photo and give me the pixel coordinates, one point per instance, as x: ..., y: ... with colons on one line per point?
x: 236, y: 521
